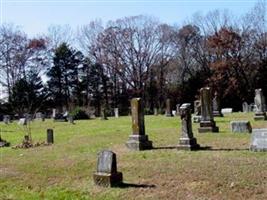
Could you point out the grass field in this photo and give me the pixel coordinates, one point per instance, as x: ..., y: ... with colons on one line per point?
x: 64, y: 170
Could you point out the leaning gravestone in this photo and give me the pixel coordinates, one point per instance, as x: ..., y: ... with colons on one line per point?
x: 207, y: 124
x: 138, y: 140
x: 245, y: 107
x: 216, y: 106
x: 260, y: 105
x: 187, y: 140
x: 240, y: 127
x: 168, y: 108
x: 106, y: 174
x: 259, y: 140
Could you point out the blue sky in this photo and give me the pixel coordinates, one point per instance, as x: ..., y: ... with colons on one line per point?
x: 34, y: 16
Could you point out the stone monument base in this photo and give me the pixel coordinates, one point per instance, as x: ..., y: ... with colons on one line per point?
x: 260, y: 116
x: 188, y: 144
x: 208, y: 126
x: 139, y: 142
x: 107, y: 180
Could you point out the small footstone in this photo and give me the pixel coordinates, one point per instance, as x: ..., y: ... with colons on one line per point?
x: 106, y: 174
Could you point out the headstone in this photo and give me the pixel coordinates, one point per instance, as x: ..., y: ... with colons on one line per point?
x: 245, y: 107
x: 6, y: 119
x: 207, y: 124
x: 138, y: 140
x: 187, y: 140
x: 116, y: 112
x: 216, y: 106
x: 227, y: 110
x: 22, y: 121
x: 106, y: 174
x: 178, y: 109
x: 260, y: 105
x: 155, y: 111
x: 259, y: 140
x: 168, y: 112
x: 240, y: 127
x: 50, y: 136
x: 173, y: 112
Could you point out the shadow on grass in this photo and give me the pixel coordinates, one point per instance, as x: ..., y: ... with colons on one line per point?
x: 166, y: 147
x: 209, y: 148
x: 204, y: 148
x: 133, y: 185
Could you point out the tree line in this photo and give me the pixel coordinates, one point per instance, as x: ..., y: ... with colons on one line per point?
x: 103, y: 66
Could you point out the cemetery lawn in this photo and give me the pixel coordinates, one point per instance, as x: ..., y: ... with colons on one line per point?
x: 225, y: 169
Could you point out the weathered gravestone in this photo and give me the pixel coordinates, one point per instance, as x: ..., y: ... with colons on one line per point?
x: 116, y: 112
x: 106, y: 174
x: 216, y: 110
x: 168, y: 111
x: 50, y: 136
x: 197, y: 111
x: 173, y: 112
x: 260, y: 105
x: 187, y: 140
x: 207, y: 124
x: 6, y: 119
x: 71, y: 119
x: 240, y: 127
x: 259, y: 140
x: 54, y: 112
x: 138, y: 140
x: 245, y: 107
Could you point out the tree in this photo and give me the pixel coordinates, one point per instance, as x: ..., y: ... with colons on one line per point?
x: 63, y: 76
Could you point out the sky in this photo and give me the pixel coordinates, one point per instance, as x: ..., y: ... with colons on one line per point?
x: 35, y: 16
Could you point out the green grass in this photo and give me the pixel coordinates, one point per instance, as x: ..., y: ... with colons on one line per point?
x: 64, y: 170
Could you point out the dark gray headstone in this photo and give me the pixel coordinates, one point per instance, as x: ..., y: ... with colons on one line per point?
x: 106, y: 174
x: 107, y: 162
x: 259, y: 140
x: 216, y: 108
x: 50, y: 136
